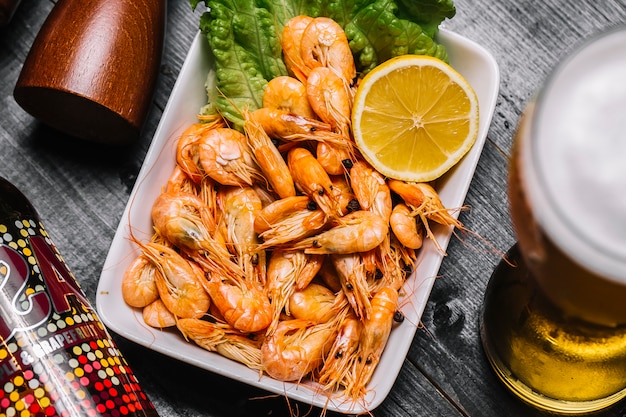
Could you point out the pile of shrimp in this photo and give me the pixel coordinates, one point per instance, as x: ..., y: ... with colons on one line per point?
x: 278, y: 245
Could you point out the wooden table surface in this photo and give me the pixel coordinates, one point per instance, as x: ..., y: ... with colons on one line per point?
x: 81, y: 189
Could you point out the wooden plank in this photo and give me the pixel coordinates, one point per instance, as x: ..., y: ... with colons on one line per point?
x: 81, y: 189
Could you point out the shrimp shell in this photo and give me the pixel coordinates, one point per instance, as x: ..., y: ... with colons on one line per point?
x: 335, y: 372
x: 359, y: 231
x: 290, y: 41
x: 373, y: 339
x: 423, y: 198
x: 371, y: 189
x: 226, y: 157
x: 139, y: 283
x: 240, y: 206
x: 353, y: 278
x: 324, y: 44
x: 285, y: 125
x: 221, y: 338
x: 187, y: 155
x: 278, y: 210
x: 316, y: 303
x: 296, y: 348
x: 242, y: 304
x: 179, y: 282
x: 284, y: 270
x: 269, y: 159
x: 158, y: 316
x: 405, y: 227
x: 311, y: 179
x: 180, y: 181
x: 183, y: 219
x: 329, y: 100
x: 289, y: 94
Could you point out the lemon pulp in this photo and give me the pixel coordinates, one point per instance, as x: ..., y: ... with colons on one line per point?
x: 414, y: 117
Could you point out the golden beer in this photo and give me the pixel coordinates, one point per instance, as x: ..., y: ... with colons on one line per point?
x: 554, y: 315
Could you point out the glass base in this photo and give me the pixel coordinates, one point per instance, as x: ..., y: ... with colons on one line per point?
x: 552, y: 362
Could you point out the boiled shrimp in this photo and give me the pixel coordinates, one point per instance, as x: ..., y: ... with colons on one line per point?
x: 353, y: 278
x: 289, y: 94
x: 157, y: 315
x: 242, y: 304
x: 423, y: 198
x: 278, y: 210
x: 296, y: 348
x: 240, y: 206
x: 425, y: 203
x: 324, y: 44
x: 335, y: 373
x: 187, y: 154
x: 185, y: 220
x: 180, y: 181
x: 226, y: 157
x: 284, y: 270
x: 334, y: 158
x: 311, y: 179
x: 405, y: 227
x: 179, y: 284
x: 372, y: 340
x: 290, y: 41
x: 370, y: 189
x: 223, y: 339
x: 346, y: 200
x: 316, y: 303
x: 329, y: 100
x: 268, y: 158
x: 139, y: 282
x: 293, y: 228
x: 359, y: 231
x: 288, y: 126
x: 373, y: 194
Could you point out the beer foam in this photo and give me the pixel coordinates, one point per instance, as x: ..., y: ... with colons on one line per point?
x: 578, y: 152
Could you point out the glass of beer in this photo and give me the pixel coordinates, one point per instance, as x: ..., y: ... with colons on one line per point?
x: 554, y: 315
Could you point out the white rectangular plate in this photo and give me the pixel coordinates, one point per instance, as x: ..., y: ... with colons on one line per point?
x: 188, y: 95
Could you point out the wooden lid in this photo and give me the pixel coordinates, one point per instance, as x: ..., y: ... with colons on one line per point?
x: 92, y: 68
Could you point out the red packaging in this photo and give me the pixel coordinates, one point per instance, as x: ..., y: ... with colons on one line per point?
x: 56, y: 357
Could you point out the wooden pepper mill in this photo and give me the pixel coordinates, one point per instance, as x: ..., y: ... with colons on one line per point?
x: 93, y: 66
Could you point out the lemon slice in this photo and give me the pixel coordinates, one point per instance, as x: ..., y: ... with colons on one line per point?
x: 414, y: 117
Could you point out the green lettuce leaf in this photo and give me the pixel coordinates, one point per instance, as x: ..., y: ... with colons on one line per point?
x: 247, y: 54
x: 376, y: 34
x: 244, y: 39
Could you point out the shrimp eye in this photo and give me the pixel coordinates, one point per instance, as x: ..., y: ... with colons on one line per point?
x: 349, y: 287
x: 255, y: 259
x: 347, y: 163
x: 368, y: 361
x: 353, y: 205
x: 379, y: 274
x: 311, y: 205
x: 313, y: 129
x: 398, y: 317
x: 316, y: 244
x: 339, y: 355
x: 321, y: 192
